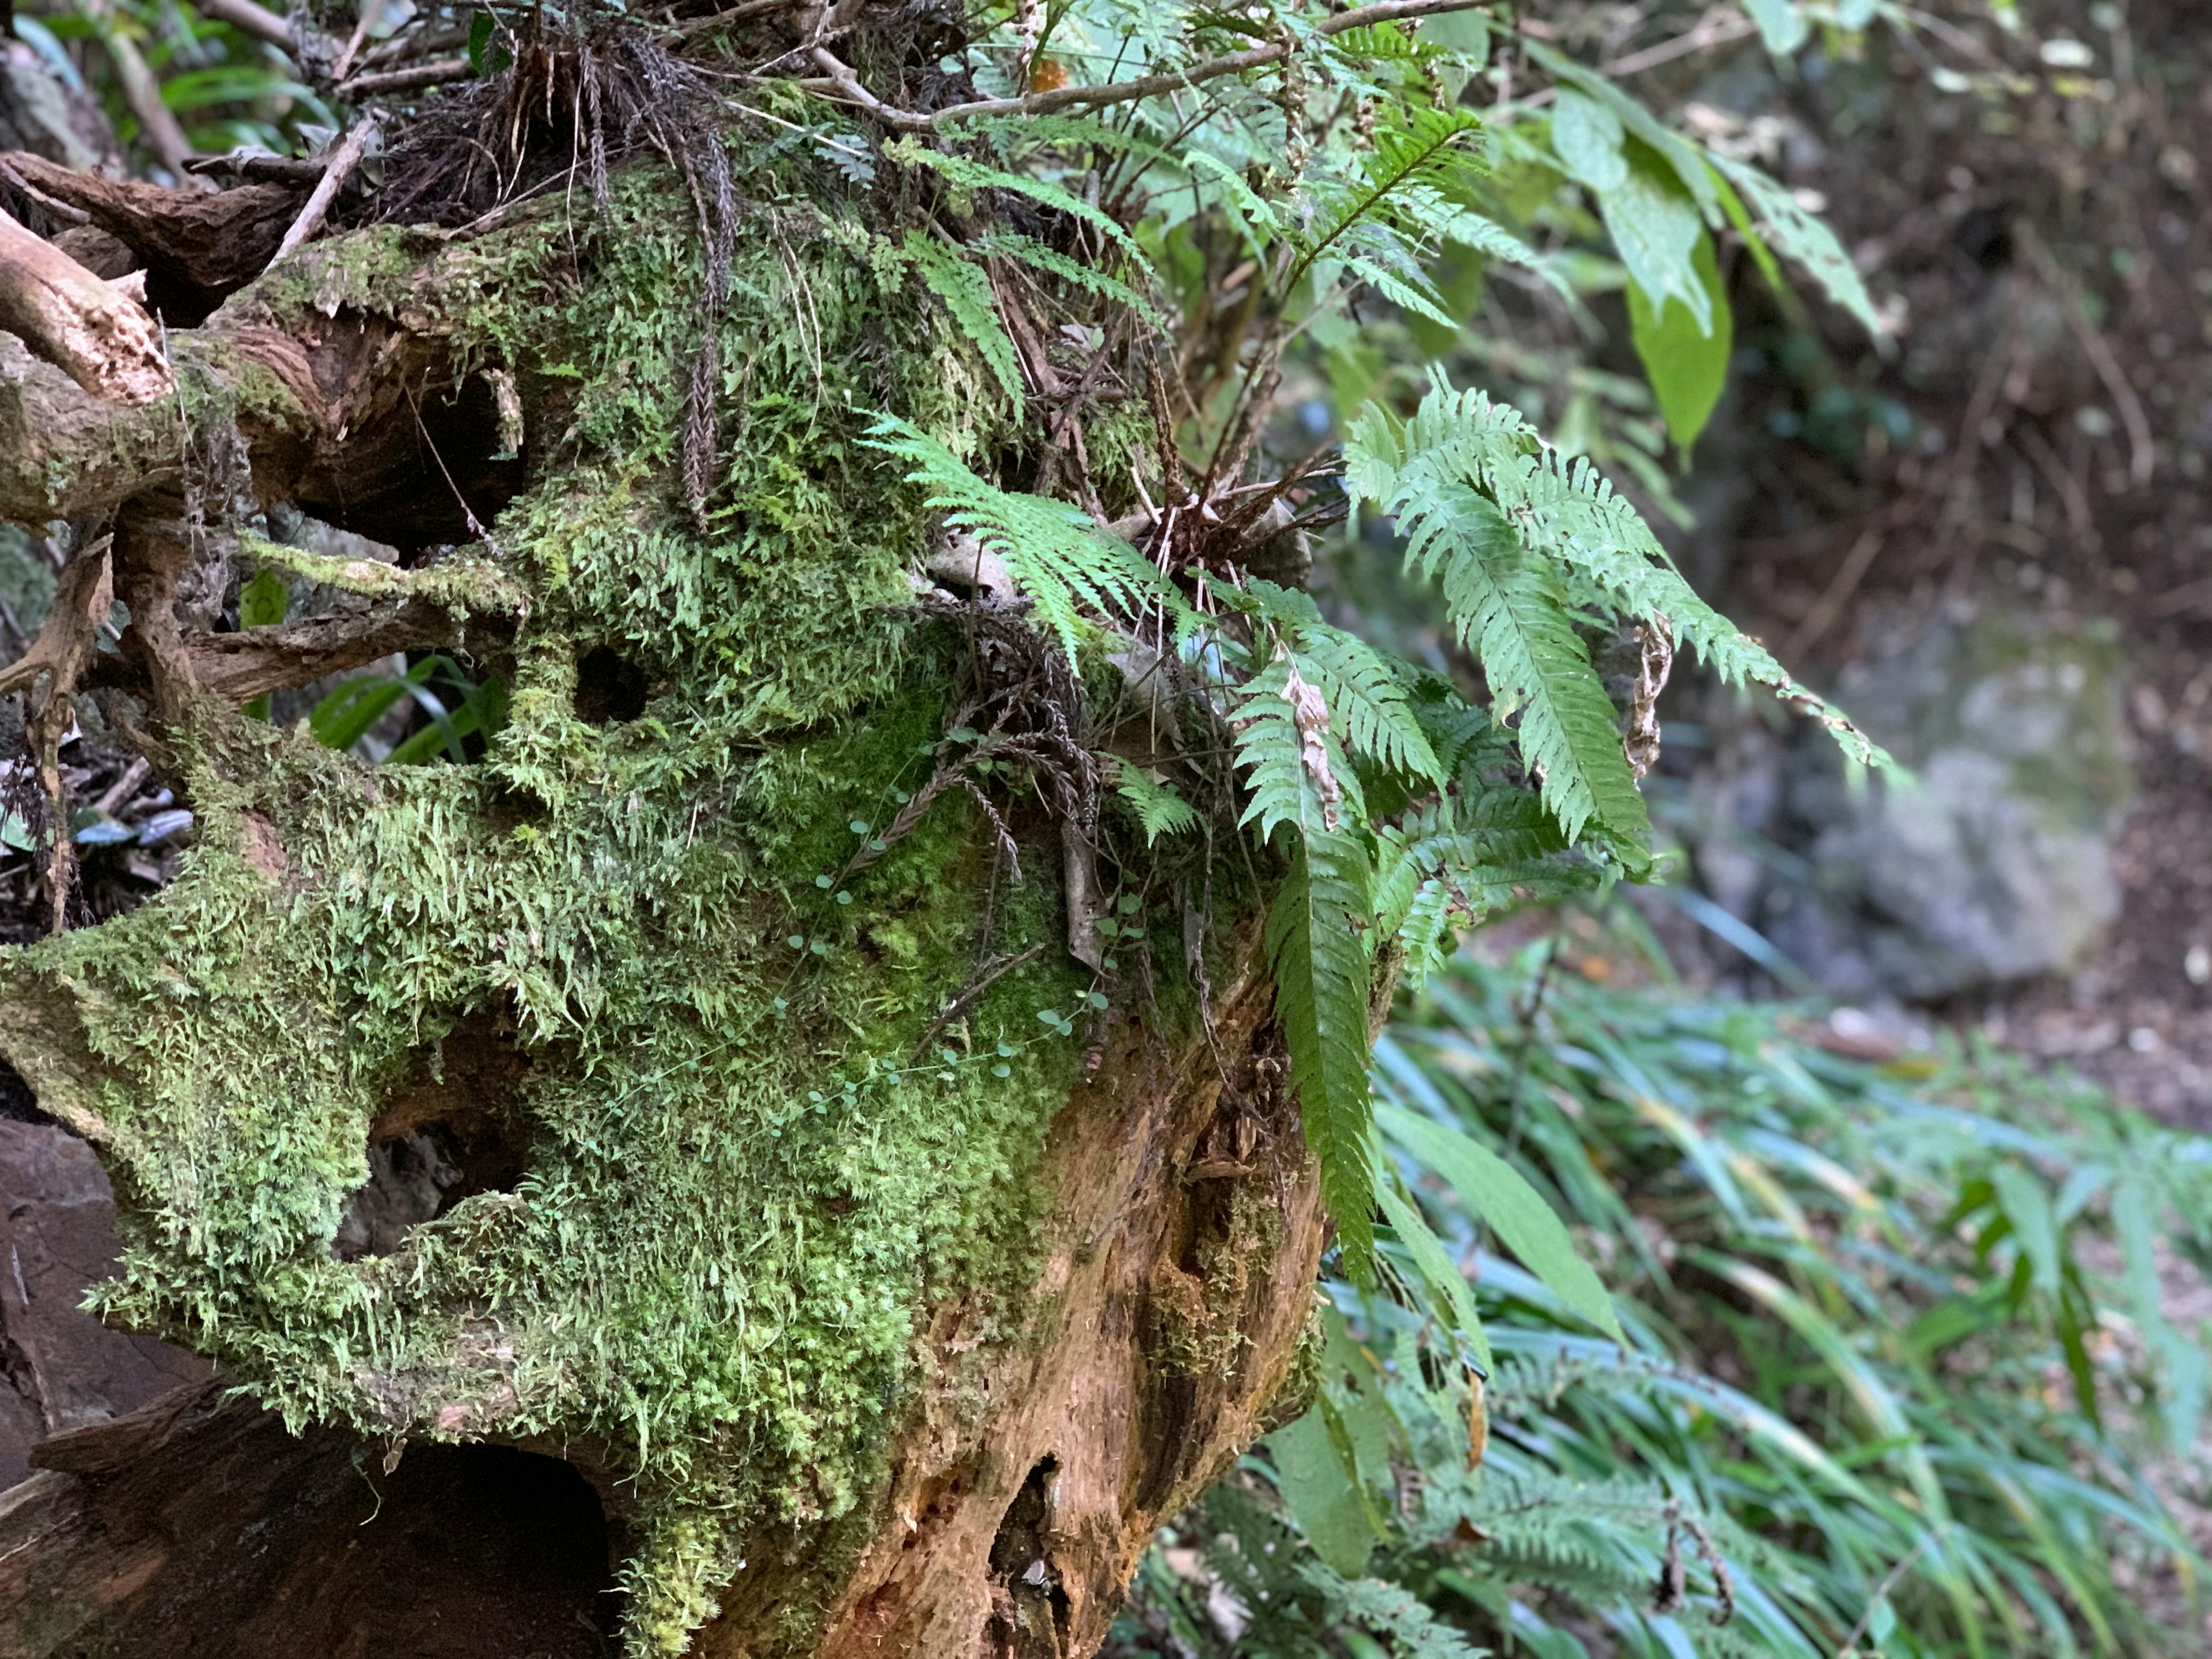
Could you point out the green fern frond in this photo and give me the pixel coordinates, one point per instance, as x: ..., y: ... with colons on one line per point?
x: 963, y: 175
x: 1367, y: 699
x: 1035, y: 254
x: 1296, y: 778
x: 967, y: 294
x: 1053, y: 551
x: 1160, y: 811
x: 1567, y: 513
x: 1421, y: 152
x: 1322, y: 985
x: 1511, y: 609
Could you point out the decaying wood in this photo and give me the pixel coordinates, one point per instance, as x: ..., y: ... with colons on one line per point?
x: 1034, y: 1470
x: 196, y: 1526
x: 84, y: 326
x: 1046, y: 1439
x: 203, y: 245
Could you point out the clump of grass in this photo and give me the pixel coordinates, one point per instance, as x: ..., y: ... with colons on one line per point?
x: 1897, y: 1361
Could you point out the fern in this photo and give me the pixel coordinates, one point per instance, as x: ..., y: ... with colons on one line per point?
x: 967, y: 294
x: 1468, y: 476
x: 1510, y: 610
x: 1035, y: 254
x: 1361, y: 690
x: 965, y: 174
x: 1055, y: 554
x: 1296, y: 778
x: 1160, y: 811
x: 1421, y: 152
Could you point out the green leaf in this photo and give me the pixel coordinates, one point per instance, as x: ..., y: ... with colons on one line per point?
x: 1781, y: 25
x: 1056, y: 555
x: 1655, y: 228
x: 966, y: 292
x: 1322, y: 1491
x: 1802, y: 236
x: 263, y: 600
x: 1451, y: 1300
x: 2027, y: 1206
x: 480, y: 29
x: 1688, y: 365
x: 1321, y: 978
x: 1494, y: 1190
x: 1587, y: 137
x: 965, y: 174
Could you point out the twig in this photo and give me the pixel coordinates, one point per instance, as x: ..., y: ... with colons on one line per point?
x: 1850, y: 1649
x: 406, y: 80
x: 1122, y: 91
x: 1830, y: 606
x: 686, y: 30
x: 66, y: 212
x: 990, y: 974
x: 2141, y: 457
x: 1718, y: 28
x: 370, y: 11
x: 119, y: 791
x: 343, y: 160
x: 257, y: 21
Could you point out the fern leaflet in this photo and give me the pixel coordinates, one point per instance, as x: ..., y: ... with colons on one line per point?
x: 1313, y: 936
x: 967, y: 294
x: 1055, y: 554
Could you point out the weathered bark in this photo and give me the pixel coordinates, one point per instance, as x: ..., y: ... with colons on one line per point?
x: 96, y: 335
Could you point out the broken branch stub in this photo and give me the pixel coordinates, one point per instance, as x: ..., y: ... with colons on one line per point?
x: 82, y: 326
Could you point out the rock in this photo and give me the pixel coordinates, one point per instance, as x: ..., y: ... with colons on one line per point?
x: 61, y: 1369
x: 1993, y: 864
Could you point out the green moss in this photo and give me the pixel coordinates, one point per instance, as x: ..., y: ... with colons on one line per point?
x: 739, y: 1192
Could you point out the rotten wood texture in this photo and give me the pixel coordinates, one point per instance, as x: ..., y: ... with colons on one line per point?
x: 86, y: 327
x: 196, y: 1528
x: 1049, y: 1433
x: 197, y: 246
x: 1034, y: 1469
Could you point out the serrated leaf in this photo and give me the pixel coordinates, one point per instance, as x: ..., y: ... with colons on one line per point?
x: 1160, y: 811
x: 966, y: 174
x: 966, y: 292
x: 1321, y: 979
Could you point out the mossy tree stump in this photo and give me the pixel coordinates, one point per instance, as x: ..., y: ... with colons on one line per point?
x: 665, y: 1090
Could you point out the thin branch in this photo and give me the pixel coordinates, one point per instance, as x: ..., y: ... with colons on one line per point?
x: 1121, y: 92
x: 164, y: 133
x: 407, y: 80
x: 370, y: 11
x: 343, y: 160
x: 248, y: 18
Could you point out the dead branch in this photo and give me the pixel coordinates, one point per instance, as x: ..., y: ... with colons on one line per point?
x: 241, y: 666
x: 259, y: 22
x: 407, y: 80
x: 139, y: 90
x: 85, y: 327
x: 343, y: 160
x: 214, y: 244
x: 841, y: 85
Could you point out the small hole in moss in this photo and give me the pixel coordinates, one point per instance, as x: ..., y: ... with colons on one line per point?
x: 610, y: 688
x: 458, y: 1131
